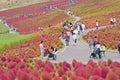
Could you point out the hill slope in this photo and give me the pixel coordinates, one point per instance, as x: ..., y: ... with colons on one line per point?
x: 7, y: 4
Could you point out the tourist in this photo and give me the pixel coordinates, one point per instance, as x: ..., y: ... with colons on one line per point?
x: 54, y: 52
x: 98, y: 49
x: 103, y: 49
x: 78, y: 27
x: 74, y: 36
x: 83, y: 27
x: 114, y: 21
x: 90, y: 42
x: 42, y: 49
x: 62, y: 34
x: 111, y: 21
x: 96, y: 24
x: 118, y: 46
x: 67, y: 39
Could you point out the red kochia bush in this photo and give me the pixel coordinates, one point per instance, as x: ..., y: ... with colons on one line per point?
x: 111, y: 76
x: 3, y: 59
x: 40, y: 63
x: 75, y: 77
x: 61, y: 71
x: 48, y: 69
x: 66, y: 64
x: 78, y: 65
x: 22, y: 75
x: 116, y: 64
x: 57, y: 78
x: 117, y: 71
x: 109, y: 62
x: 104, y: 71
x: 74, y: 62
x: 46, y: 76
x: 97, y: 71
x: 90, y: 62
x: 95, y: 77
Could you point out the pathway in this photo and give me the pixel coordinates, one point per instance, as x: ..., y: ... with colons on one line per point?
x: 81, y: 51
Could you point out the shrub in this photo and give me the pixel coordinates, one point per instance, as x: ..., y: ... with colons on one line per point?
x: 111, y: 76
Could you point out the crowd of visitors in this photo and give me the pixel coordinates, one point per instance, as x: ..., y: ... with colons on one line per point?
x: 72, y: 30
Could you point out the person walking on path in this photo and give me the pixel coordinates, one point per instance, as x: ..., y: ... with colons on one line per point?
x: 62, y: 34
x: 118, y: 46
x: 83, y: 27
x: 97, y: 24
x: 74, y: 36
x: 67, y: 38
x: 90, y: 43
x: 98, y: 49
x: 42, y: 49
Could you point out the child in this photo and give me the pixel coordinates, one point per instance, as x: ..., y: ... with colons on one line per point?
x: 103, y: 49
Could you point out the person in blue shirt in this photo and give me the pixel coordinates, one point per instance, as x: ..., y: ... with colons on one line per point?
x: 90, y: 43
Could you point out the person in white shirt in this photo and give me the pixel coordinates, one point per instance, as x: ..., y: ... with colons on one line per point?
x: 97, y: 24
x: 42, y: 49
x: 74, y: 38
x: 83, y: 27
x: 98, y: 49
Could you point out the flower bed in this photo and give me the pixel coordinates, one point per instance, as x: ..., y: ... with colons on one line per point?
x: 13, y: 68
x: 24, y: 25
x: 109, y: 36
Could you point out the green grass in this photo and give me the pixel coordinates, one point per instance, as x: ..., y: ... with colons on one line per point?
x: 13, y: 38
x: 3, y: 28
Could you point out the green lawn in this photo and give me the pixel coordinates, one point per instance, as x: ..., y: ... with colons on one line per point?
x: 3, y: 28
x: 13, y: 38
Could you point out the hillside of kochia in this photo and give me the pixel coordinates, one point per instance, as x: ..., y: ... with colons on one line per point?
x: 50, y: 36
x: 8, y: 4
x: 101, y: 10
x: 24, y: 25
x: 109, y: 36
x: 92, y: 10
x: 30, y: 48
x: 30, y: 19
x: 19, y: 61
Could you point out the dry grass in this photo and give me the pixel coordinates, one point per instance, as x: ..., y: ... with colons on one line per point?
x: 8, y: 4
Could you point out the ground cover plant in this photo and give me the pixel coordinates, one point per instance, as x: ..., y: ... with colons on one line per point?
x: 24, y: 25
x: 13, y: 68
x: 19, y: 61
